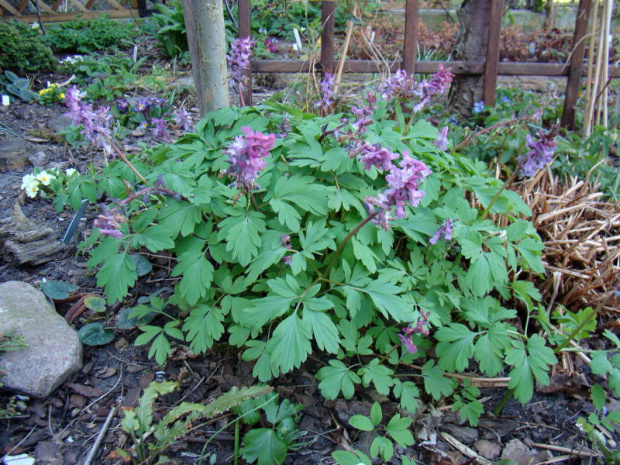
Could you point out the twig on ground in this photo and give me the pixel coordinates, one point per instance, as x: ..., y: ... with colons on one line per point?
x: 102, y: 432
x: 463, y: 449
x: 566, y: 450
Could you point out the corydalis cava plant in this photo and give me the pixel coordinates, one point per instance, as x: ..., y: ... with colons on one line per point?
x: 345, y: 287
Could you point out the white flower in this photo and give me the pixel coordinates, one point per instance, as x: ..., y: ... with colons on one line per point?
x: 44, y: 178
x: 28, y: 180
x: 70, y: 172
x: 34, y: 25
x: 32, y: 190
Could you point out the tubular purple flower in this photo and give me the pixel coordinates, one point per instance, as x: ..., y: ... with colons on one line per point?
x: 377, y: 156
x: 404, y: 87
x: 183, y: 120
x: 403, y: 188
x: 442, y: 139
x: 541, y: 152
x: 109, y: 223
x: 363, y: 114
x: 247, y: 156
x: 408, y: 343
x: 239, y: 60
x: 444, y: 231
x: 160, y: 131
x: 95, y: 124
x: 328, y: 84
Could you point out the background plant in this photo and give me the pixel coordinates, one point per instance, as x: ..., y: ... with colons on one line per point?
x: 90, y: 35
x: 22, y: 50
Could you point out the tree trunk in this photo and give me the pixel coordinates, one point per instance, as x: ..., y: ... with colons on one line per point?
x: 471, y: 46
x: 206, y: 35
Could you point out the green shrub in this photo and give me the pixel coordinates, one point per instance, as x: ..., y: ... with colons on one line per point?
x: 86, y: 36
x: 22, y: 50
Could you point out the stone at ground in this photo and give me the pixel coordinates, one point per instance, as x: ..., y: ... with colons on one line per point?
x: 14, y: 154
x: 488, y: 449
x: 53, y: 352
x: 59, y: 123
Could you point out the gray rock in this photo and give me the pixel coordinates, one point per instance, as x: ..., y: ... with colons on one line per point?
x: 53, y: 352
x: 59, y: 123
x: 39, y: 159
x: 14, y: 154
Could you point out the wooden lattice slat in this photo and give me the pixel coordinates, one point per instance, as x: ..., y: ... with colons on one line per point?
x: 50, y: 10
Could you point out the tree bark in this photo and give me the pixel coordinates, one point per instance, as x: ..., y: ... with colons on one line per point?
x: 471, y: 46
x: 206, y: 35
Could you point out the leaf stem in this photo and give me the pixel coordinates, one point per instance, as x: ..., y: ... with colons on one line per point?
x: 509, y: 181
x: 343, y: 244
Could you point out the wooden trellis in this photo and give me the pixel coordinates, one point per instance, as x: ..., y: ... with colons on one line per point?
x: 65, y: 10
x: 490, y: 67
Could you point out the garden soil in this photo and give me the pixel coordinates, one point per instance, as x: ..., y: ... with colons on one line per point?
x: 63, y: 428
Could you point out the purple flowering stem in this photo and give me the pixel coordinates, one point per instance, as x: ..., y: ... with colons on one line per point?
x: 346, y: 240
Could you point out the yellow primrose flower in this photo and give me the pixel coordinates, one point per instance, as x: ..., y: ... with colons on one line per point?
x: 44, y: 91
x: 28, y: 180
x: 32, y: 190
x: 44, y: 178
x: 62, y: 96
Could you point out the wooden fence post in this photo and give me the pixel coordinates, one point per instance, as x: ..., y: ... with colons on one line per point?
x: 491, y: 63
x: 576, y: 64
x: 245, y: 31
x: 410, y: 46
x: 328, y: 11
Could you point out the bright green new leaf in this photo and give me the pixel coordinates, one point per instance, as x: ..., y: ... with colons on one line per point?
x: 344, y: 457
x: 435, y: 383
x: 456, y: 346
x: 379, y: 375
x: 260, y: 311
x: 398, y: 428
x: 375, y: 413
x: 155, y: 238
x: 323, y: 328
x: 203, y: 326
x: 361, y: 423
x: 530, y: 362
x: 197, y: 274
x: 290, y: 344
x: 408, y: 393
x: 600, y: 364
x: 386, y: 298
x: 117, y: 275
x: 242, y: 235
x: 335, y: 378
x: 264, y: 446
x: 382, y: 447
x: 180, y: 217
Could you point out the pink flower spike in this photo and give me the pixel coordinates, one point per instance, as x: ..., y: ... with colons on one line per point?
x: 408, y: 343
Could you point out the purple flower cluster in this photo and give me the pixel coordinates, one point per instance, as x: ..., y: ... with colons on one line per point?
x: 403, y: 188
x: 421, y: 327
x: 247, y: 156
x: 403, y: 87
x: 109, y: 223
x: 363, y: 113
x: 183, y: 120
x: 375, y: 155
x: 95, y: 124
x: 328, y: 85
x: 541, y: 152
x: 160, y: 130
x: 442, y: 139
x: 239, y: 60
x: 444, y: 231
x: 285, y: 241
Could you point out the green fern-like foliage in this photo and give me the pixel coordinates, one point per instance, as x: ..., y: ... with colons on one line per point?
x: 138, y: 422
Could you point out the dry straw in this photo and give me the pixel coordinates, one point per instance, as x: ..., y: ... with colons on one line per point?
x: 581, y: 232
